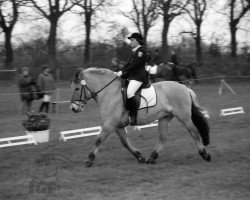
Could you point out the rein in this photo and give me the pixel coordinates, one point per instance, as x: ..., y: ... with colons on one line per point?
x: 92, y: 94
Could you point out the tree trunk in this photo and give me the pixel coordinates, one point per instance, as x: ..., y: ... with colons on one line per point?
x: 164, y: 37
x: 233, y: 30
x: 145, y: 36
x: 9, y: 50
x: 52, y: 43
x: 87, y: 39
x: 198, y: 43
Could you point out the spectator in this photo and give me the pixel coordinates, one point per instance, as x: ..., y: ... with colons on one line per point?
x: 174, y: 58
x: 47, y: 85
x: 175, y: 62
x: 149, y: 58
x: 25, y: 87
x: 157, y: 58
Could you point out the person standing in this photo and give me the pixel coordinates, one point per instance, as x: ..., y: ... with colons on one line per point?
x: 149, y: 58
x: 25, y: 83
x: 136, y: 73
x: 47, y: 85
x: 175, y: 63
x: 174, y: 58
x: 157, y: 58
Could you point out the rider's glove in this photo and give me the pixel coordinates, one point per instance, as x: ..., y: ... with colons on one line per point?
x: 119, y: 73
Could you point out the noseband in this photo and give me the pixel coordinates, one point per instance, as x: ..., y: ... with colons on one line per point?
x: 92, y: 94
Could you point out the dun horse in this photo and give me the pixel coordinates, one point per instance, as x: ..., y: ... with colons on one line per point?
x: 173, y: 100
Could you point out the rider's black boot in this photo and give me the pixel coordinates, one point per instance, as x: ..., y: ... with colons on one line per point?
x: 132, y: 107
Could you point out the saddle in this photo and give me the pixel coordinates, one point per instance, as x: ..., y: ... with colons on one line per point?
x: 145, y: 95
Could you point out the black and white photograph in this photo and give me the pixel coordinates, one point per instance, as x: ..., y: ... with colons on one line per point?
x: 124, y: 99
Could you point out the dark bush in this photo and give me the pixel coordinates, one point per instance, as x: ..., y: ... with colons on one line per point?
x: 36, y: 122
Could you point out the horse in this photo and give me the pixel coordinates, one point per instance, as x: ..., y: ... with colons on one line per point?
x: 179, y: 73
x: 173, y: 100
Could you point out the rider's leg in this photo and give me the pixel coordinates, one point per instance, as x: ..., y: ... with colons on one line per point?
x: 131, y: 104
x: 133, y: 86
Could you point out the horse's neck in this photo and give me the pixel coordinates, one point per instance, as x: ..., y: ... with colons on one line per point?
x: 99, y: 83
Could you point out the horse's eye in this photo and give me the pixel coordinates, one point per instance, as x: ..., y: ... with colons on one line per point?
x: 77, y: 89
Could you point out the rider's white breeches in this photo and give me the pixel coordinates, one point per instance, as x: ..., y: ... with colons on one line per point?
x: 133, y: 86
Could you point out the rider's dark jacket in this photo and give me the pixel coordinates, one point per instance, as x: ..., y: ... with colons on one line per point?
x: 135, y: 68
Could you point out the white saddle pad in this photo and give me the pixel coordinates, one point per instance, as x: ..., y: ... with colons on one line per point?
x: 150, y: 95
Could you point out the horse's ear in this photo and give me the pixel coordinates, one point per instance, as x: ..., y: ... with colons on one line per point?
x: 78, y: 74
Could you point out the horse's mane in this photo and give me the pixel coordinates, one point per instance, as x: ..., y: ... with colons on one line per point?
x: 93, y: 70
x: 101, y: 71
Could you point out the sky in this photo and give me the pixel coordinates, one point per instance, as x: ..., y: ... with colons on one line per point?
x: 71, y: 28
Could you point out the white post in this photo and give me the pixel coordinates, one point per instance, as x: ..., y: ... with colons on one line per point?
x: 229, y: 87
x: 223, y: 84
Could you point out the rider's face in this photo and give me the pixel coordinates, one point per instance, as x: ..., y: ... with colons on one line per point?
x: 133, y: 42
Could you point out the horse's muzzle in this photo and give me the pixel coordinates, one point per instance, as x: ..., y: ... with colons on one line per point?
x: 75, y: 108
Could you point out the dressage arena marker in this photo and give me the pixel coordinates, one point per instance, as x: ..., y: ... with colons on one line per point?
x: 85, y: 132
x: 153, y: 124
x: 231, y: 111
x: 19, y: 140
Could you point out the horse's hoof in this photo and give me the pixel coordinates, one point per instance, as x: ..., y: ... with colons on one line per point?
x: 150, y: 161
x: 89, y: 163
x: 208, y: 157
x: 141, y: 159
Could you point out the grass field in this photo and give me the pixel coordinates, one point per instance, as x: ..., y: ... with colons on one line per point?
x: 179, y: 173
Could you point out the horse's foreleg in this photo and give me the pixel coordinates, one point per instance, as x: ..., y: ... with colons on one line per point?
x: 126, y: 143
x: 107, y: 128
x: 162, y: 129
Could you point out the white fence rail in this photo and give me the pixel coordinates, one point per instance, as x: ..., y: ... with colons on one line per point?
x: 71, y: 134
x: 19, y: 140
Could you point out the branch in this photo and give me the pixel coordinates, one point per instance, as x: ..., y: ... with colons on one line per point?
x: 40, y: 9
x: 193, y: 34
x: 65, y: 9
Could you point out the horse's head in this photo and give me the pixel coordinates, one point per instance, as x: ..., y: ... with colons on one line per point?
x: 87, y: 84
x: 80, y: 92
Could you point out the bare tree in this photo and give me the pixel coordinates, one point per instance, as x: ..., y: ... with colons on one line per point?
x: 144, y: 15
x: 238, y: 8
x: 196, y: 11
x: 52, y: 10
x: 8, y: 18
x: 89, y: 8
x: 170, y: 9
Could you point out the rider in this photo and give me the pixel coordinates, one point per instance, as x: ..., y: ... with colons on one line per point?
x: 135, y: 71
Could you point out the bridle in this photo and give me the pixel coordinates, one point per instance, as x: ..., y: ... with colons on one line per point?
x: 84, y: 87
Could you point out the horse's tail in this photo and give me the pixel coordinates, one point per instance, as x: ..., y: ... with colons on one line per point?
x: 199, y: 119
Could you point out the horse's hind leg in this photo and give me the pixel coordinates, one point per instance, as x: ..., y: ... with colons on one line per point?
x: 162, y: 129
x: 197, y: 138
x: 126, y: 143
